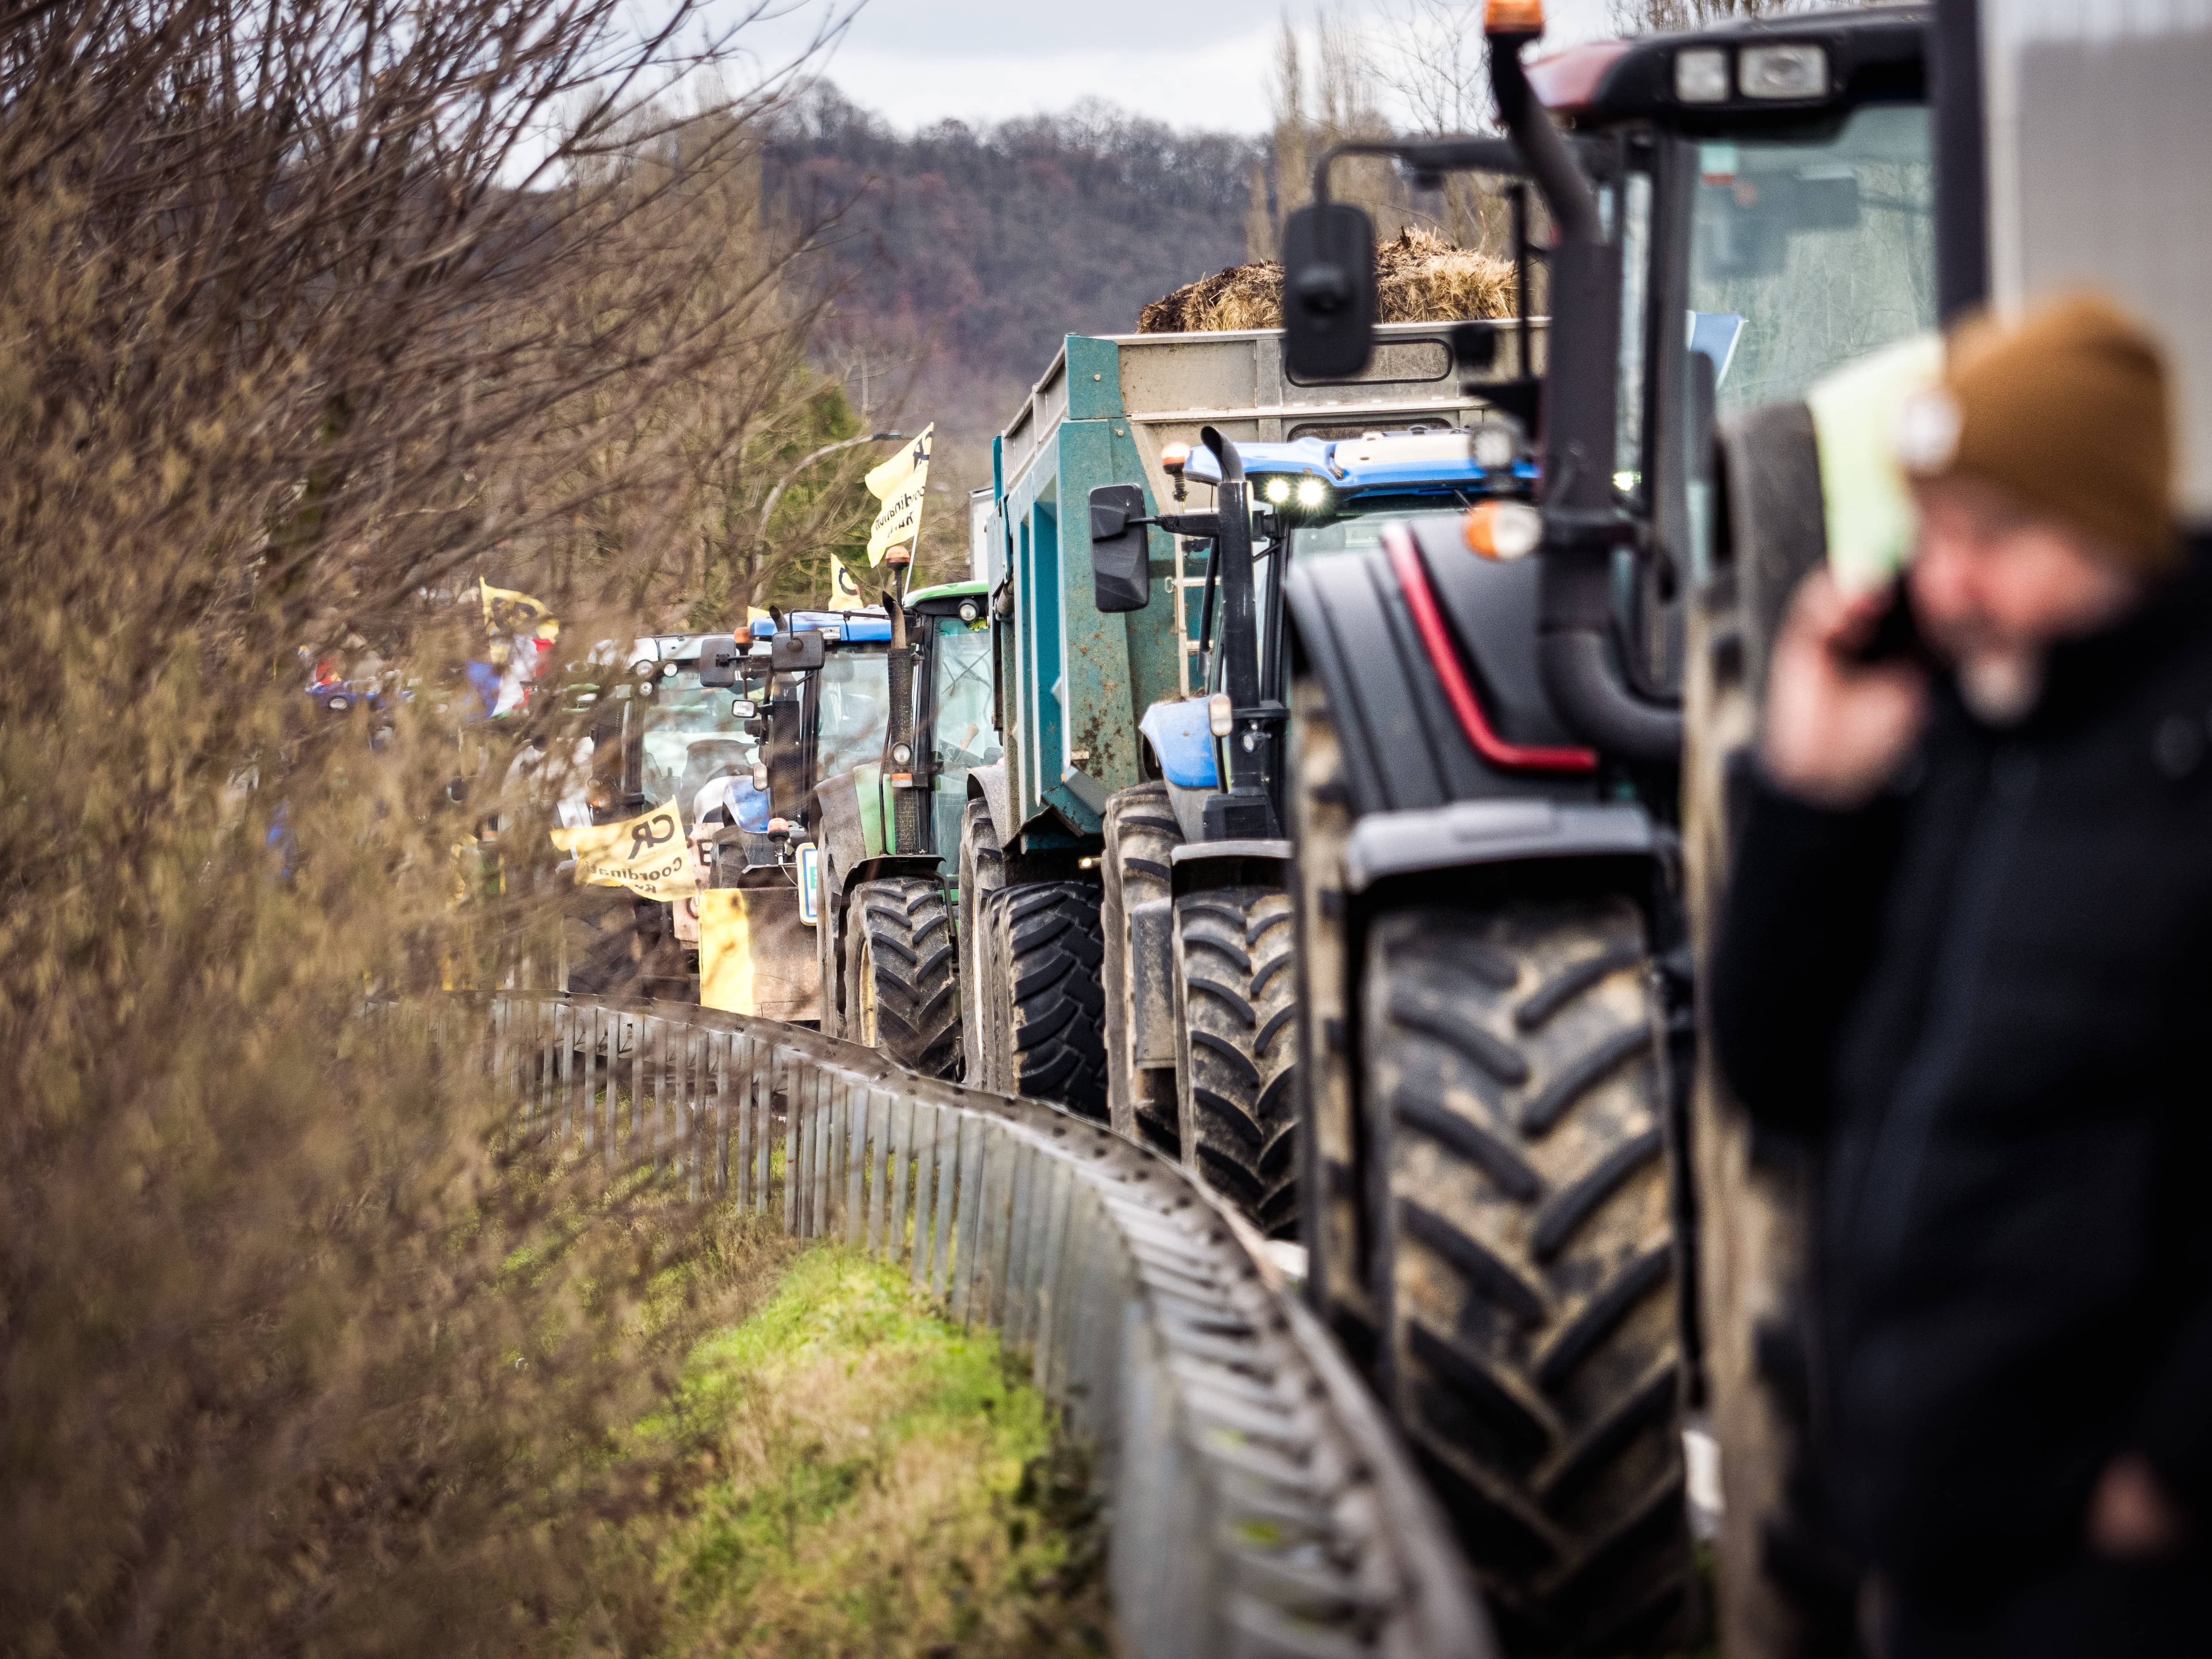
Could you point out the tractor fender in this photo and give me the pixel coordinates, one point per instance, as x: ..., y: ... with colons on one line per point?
x: 1182, y: 742
x: 988, y: 785
x: 839, y: 830
x: 1384, y: 845
x: 1405, y: 748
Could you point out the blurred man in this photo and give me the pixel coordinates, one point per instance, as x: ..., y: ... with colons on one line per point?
x: 1968, y: 956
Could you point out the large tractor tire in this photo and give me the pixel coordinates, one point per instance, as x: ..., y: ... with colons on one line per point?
x: 1332, y: 1152
x: 1141, y: 835
x: 1236, y: 997
x: 902, y: 975
x: 1515, y: 1103
x: 982, y: 872
x: 1049, y: 1027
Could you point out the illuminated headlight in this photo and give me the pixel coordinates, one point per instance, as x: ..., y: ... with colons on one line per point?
x: 1494, y: 448
x: 1312, y: 493
x: 901, y: 754
x: 1780, y: 72
x: 1277, y: 490
x: 1701, y: 75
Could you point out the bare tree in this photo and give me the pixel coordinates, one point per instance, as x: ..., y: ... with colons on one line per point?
x: 1327, y: 96
x: 312, y: 310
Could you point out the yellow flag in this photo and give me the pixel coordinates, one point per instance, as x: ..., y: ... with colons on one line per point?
x: 507, y: 611
x: 645, y: 854
x: 844, y: 592
x: 900, y: 483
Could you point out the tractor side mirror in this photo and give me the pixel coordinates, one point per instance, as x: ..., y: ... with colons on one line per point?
x: 743, y: 708
x: 718, y: 661
x: 1121, y: 567
x: 1328, y: 292
x: 796, y: 653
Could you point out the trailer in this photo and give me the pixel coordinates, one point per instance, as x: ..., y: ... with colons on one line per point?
x: 1125, y: 870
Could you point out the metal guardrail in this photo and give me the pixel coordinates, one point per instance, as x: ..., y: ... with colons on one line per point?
x: 1259, y: 1504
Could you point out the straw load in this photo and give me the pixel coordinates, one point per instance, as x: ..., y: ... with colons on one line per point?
x: 1419, y: 278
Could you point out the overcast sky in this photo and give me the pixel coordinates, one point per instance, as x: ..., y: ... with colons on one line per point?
x: 917, y: 61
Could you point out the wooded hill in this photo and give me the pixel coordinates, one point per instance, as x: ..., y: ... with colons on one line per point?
x: 963, y: 253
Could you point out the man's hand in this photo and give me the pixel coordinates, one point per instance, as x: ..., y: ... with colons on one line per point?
x: 2131, y: 1516
x: 1836, y: 729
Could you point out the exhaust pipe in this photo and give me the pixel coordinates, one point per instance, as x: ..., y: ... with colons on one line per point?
x: 1581, y: 524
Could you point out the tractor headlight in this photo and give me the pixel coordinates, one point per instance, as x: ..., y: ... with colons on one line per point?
x: 1800, y: 71
x: 1313, y: 494
x: 1701, y: 75
x: 1277, y: 490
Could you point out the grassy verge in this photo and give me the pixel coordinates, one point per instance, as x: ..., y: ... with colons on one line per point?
x: 886, y: 1485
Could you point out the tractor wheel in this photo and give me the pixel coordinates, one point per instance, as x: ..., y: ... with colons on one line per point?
x: 982, y: 872
x: 1526, y: 1258
x: 1331, y: 1154
x: 1141, y: 835
x: 1236, y: 1051
x: 902, y: 977
x: 1049, y: 1024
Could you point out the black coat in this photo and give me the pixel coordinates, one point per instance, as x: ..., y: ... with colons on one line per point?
x: 1987, y: 1001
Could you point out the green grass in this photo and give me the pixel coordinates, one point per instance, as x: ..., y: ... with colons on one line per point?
x: 886, y: 1484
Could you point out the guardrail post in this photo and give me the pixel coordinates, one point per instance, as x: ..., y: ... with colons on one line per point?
x: 744, y: 1062
x: 883, y: 1107
x: 903, y: 1113
x: 998, y: 1221
x: 950, y: 1130
x: 845, y: 1154
x: 1015, y: 1298
x: 719, y: 1053
x: 564, y: 1060
x: 929, y: 1121
x: 1048, y: 1367
x: 761, y: 1084
x: 860, y: 1112
x: 794, y: 1116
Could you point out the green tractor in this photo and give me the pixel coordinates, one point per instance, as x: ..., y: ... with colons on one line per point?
x: 892, y: 737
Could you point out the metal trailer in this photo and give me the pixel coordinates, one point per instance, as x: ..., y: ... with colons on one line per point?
x: 1506, y: 1190
x: 1124, y: 871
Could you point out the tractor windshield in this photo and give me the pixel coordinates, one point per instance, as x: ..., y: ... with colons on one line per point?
x: 961, y: 735
x: 688, y: 738
x: 1807, y: 252
x: 853, y: 713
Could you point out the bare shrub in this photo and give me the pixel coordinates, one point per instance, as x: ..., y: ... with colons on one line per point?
x: 308, y: 314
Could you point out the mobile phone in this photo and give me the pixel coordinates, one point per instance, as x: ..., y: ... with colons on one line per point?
x: 1897, y: 635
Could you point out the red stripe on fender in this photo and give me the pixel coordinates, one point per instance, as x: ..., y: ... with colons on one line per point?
x: 1429, y: 622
